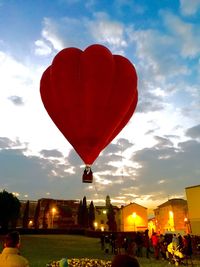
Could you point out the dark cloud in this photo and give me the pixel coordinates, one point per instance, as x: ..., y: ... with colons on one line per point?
x: 16, y: 100
x: 160, y: 171
x: 163, y: 141
x: 111, y: 149
x: 124, y: 143
x: 35, y: 176
x: 194, y: 132
x: 74, y: 159
x: 51, y: 153
x: 7, y: 143
x: 149, y: 102
x: 168, y: 169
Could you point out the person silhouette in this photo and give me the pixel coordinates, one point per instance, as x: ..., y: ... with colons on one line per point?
x: 10, y: 256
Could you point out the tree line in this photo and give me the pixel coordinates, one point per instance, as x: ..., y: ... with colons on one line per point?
x: 10, y: 213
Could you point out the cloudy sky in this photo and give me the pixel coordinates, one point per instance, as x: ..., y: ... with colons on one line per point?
x: 157, y: 154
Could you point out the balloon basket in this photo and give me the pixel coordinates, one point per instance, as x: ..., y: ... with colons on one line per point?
x: 87, y: 175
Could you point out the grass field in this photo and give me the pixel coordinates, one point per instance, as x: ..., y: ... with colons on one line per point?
x: 41, y: 249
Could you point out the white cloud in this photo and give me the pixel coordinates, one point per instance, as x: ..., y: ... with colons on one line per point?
x: 56, y: 34
x: 42, y: 48
x: 50, y: 33
x: 107, y: 31
x: 189, y: 8
x: 187, y: 34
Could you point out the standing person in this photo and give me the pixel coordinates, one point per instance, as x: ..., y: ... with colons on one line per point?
x: 155, y: 244
x: 175, y: 241
x: 146, y: 242
x: 10, y: 256
x: 102, y: 241
x: 187, y: 250
x: 107, y: 243
x: 180, y: 241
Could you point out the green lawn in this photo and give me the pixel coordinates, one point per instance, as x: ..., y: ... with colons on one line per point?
x: 41, y: 249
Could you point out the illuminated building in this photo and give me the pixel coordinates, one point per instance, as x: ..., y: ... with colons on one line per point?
x: 101, y: 217
x: 133, y: 217
x: 193, y: 199
x: 170, y: 216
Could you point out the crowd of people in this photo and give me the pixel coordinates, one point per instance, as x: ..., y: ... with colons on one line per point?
x: 140, y: 244
x: 126, y: 248
x: 10, y: 256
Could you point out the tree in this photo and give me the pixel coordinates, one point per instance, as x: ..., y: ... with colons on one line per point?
x: 108, y: 202
x: 112, y: 225
x: 37, y: 215
x: 91, y: 215
x: 85, y: 213
x: 9, y: 209
x: 80, y: 214
x: 26, y: 215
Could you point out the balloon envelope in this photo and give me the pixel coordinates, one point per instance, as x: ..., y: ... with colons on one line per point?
x: 90, y: 95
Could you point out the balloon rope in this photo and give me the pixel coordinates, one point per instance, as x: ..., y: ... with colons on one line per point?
x: 95, y: 185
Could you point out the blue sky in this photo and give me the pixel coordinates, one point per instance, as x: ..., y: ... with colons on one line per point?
x: 157, y: 154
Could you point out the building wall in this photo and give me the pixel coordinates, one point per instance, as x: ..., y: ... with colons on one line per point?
x: 101, y: 218
x: 59, y: 219
x: 193, y: 199
x: 133, y: 218
x: 170, y: 216
x: 32, y: 206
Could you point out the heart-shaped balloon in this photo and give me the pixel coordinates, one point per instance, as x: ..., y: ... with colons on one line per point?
x: 90, y: 95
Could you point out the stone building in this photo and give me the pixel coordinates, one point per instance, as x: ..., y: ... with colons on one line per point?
x: 60, y: 213
x: 101, y: 218
x: 133, y: 217
x: 171, y: 216
x: 32, y: 206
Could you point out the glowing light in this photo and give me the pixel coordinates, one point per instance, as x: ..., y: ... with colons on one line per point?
x: 102, y: 228
x: 53, y: 210
x: 95, y: 224
x: 171, y: 221
x: 134, y: 215
x: 171, y: 214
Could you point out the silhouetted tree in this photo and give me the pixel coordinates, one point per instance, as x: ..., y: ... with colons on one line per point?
x: 9, y: 209
x: 37, y: 215
x: 85, y: 213
x: 108, y: 202
x: 26, y: 215
x: 80, y: 213
x: 91, y: 215
x: 112, y: 225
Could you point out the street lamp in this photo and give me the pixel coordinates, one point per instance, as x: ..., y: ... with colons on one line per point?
x: 95, y: 225
x: 30, y: 223
x: 102, y: 228
x: 53, y: 210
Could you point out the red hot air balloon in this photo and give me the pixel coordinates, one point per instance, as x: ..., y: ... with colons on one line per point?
x: 90, y: 95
